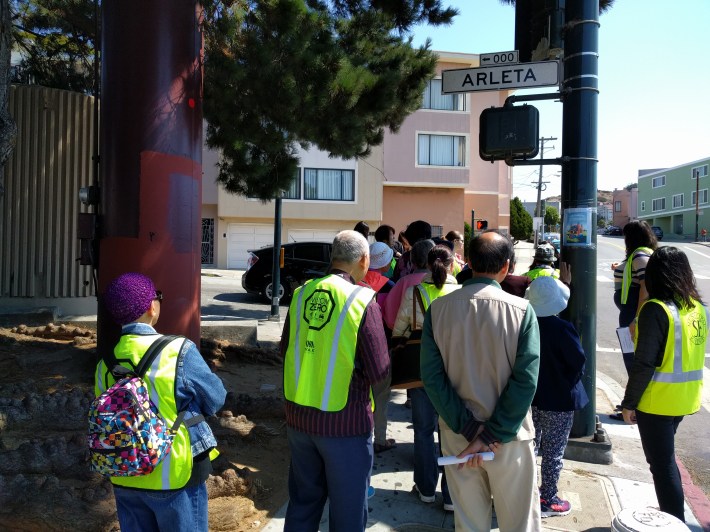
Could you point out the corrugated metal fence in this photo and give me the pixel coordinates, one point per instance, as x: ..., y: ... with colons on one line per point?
x: 38, y: 210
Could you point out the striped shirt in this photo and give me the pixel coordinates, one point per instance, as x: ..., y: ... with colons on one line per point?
x: 372, y: 365
x: 638, y: 270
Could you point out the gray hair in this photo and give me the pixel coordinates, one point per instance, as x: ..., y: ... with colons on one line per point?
x: 348, y: 247
x: 420, y: 253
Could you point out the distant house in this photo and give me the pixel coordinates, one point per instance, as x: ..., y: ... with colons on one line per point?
x: 625, y: 202
x: 667, y: 198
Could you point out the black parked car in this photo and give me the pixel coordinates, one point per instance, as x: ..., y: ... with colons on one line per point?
x: 658, y: 232
x: 302, y: 261
x: 614, y: 231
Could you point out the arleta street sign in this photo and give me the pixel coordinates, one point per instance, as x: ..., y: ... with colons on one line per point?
x: 501, y: 77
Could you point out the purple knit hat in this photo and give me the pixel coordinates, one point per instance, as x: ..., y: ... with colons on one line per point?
x: 128, y: 297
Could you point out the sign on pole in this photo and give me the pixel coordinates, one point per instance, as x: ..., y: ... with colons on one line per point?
x: 499, y: 58
x: 501, y: 77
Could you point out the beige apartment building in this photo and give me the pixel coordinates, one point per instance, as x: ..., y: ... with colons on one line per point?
x: 430, y: 170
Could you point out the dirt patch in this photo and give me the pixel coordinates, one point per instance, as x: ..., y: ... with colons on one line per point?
x: 46, y: 384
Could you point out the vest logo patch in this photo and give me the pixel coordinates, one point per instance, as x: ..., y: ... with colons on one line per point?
x: 319, y: 307
x: 698, y: 327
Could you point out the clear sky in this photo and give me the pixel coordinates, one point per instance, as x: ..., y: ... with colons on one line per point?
x: 654, y: 81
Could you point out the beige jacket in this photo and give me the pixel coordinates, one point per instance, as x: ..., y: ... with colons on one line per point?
x: 404, y: 320
x: 477, y: 330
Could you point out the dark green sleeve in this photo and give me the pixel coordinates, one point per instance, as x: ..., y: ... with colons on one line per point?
x: 439, y: 389
x: 514, y: 402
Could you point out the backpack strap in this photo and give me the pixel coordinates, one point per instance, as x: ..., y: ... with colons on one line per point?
x: 147, y: 359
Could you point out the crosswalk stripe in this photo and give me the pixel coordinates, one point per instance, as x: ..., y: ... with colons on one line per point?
x: 688, y: 248
x: 602, y: 279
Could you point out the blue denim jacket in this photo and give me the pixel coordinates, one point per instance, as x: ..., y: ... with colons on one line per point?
x: 197, y: 390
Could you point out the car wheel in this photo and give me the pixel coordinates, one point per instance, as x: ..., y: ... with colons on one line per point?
x: 266, y: 292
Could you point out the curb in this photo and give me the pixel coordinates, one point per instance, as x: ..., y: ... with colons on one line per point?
x: 695, y: 497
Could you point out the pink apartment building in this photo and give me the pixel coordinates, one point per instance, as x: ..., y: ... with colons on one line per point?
x: 432, y: 169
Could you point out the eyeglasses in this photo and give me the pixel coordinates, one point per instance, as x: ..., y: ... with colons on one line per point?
x: 158, y: 296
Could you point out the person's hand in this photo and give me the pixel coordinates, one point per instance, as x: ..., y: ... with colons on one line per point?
x: 632, y: 328
x: 475, y: 447
x: 614, y: 266
x: 565, y: 273
x: 629, y: 416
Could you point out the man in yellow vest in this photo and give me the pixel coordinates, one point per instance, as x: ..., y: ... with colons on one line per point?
x: 334, y: 350
x: 173, y: 496
x: 543, y: 263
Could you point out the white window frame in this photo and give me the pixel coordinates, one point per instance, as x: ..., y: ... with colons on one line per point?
x: 653, y: 181
x: 678, y: 204
x: 702, y: 170
x: 653, y: 205
x: 617, y: 206
x: 299, y: 182
x: 442, y: 134
x: 703, y: 197
x: 459, y: 98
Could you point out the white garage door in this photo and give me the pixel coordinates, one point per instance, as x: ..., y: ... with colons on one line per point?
x: 243, y: 237
x: 311, y: 235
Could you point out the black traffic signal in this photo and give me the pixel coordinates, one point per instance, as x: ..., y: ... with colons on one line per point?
x: 509, y: 132
x: 481, y: 225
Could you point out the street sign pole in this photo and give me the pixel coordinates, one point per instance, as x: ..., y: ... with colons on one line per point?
x: 579, y: 182
x: 696, y: 174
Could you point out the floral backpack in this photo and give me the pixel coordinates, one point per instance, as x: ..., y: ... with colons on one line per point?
x: 127, y: 435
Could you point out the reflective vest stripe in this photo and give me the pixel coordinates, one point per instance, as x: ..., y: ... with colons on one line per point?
x: 628, y: 272
x: 297, y: 347
x: 688, y: 376
x: 425, y: 295
x: 334, y: 347
x: 678, y: 374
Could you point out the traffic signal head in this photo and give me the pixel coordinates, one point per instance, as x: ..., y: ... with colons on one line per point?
x: 482, y: 225
x: 509, y: 132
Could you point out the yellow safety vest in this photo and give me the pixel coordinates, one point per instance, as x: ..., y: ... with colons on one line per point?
x: 542, y: 272
x: 324, y: 320
x: 676, y: 386
x: 628, y: 273
x: 175, y: 470
x: 430, y: 292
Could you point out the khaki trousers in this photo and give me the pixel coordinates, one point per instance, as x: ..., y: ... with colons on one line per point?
x: 511, y: 479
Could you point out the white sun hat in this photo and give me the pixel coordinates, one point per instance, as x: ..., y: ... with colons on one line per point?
x: 380, y: 255
x: 547, y: 295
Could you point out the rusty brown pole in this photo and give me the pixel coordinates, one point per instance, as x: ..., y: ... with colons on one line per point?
x: 151, y: 156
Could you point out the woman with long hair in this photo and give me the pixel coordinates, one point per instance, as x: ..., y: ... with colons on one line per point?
x: 436, y: 283
x: 666, y: 377
x: 629, y: 276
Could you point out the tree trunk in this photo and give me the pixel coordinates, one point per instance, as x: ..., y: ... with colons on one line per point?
x: 8, y: 129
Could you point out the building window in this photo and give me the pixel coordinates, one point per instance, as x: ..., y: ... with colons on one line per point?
x: 703, y: 196
x: 643, y: 205
x: 659, y: 181
x: 678, y: 200
x: 433, y: 99
x: 617, y: 206
x: 334, y: 185
x: 294, y: 191
x: 207, y: 240
x: 437, y: 231
x: 659, y: 204
x: 701, y: 170
x: 441, y: 150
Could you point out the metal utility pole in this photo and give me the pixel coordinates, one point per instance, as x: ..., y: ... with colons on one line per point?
x: 539, y: 184
x: 579, y: 182
x: 276, y: 263
x: 696, y: 174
